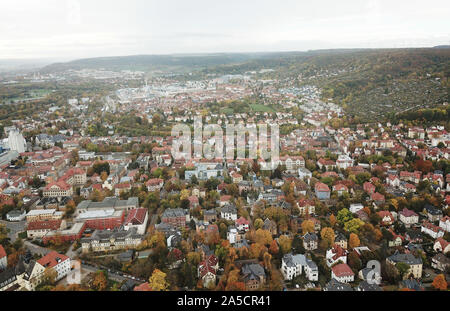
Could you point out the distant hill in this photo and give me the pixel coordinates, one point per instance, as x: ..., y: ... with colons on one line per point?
x: 180, y: 61
x: 152, y: 62
x: 369, y: 83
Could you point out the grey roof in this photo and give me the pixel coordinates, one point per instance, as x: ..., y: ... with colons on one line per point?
x: 366, y: 287
x: 210, y: 212
x: 253, y: 271
x: 433, y: 210
x: 412, y: 284
x: 107, y: 235
x: 125, y: 256
x: 231, y: 209
x: 405, y: 258
x: 15, y: 213
x: 128, y: 285
x: 310, y: 236
x: 336, y: 286
x: 174, y: 212
x: 311, y: 264
x: 442, y: 259
x: 112, y: 202
x: 340, y: 237
x: 7, y: 277
x: 294, y: 260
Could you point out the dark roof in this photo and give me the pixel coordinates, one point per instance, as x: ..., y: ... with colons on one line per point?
x: 253, y: 271
x: 336, y: 286
x: 364, y: 286
x: 412, y: 284
x: 409, y: 259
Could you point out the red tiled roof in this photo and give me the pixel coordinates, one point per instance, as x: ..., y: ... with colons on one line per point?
x: 136, y: 216
x: 52, y: 259
x: 225, y: 198
x: 408, y: 213
x: 322, y: 187
x: 338, y: 252
x: 340, y: 187
x: 44, y: 224
x: 377, y: 197
x: 154, y: 182
x: 123, y: 186
x: 60, y: 184
x: 2, y: 252
x: 441, y: 241
x: 242, y: 221
x: 342, y: 270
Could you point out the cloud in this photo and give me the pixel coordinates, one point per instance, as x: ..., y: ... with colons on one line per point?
x: 82, y: 28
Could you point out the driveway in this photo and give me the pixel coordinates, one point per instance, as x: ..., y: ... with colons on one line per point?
x: 35, y: 249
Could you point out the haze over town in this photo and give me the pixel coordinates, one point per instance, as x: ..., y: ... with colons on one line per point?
x: 64, y: 30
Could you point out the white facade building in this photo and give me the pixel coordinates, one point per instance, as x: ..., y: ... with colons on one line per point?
x: 16, y: 141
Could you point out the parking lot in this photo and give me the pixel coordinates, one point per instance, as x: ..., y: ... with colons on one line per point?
x: 14, y: 228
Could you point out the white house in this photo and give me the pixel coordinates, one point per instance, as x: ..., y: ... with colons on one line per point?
x: 335, y: 255
x: 444, y: 223
x: 432, y: 230
x: 232, y: 235
x: 354, y: 208
x: 3, y: 258
x: 229, y: 212
x: 16, y: 215
x: 408, y: 217
x: 58, y: 262
x: 342, y: 273
x: 293, y: 265
x: 137, y: 218
x: 344, y: 162
x: 311, y: 270
x: 304, y: 173
x: 441, y: 245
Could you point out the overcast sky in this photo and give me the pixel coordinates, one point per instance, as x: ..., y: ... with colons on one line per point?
x: 68, y: 29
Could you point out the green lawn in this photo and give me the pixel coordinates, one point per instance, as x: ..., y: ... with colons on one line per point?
x: 261, y: 108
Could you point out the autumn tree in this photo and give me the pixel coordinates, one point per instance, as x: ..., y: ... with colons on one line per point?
x: 327, y: 235
x: 256, y: 250
x: 233, y: 282
x: 332, y: 220
x: 100, y: 281
x: 344, y: 215
x: 104, y: 176
x: 285, y: 244
x: 157, y: 281
x: 273, y: 249
x: 267, y: 260
x: 263, y: 237
x: 439, y: 282
x: 353, y: 240
x: 307, y: 226
x: 193, y: 258
x: 353, y: 225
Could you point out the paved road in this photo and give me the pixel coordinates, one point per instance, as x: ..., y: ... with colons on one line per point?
x: 71, y: 253
x: 14, y: 228
x: 111, y: 274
